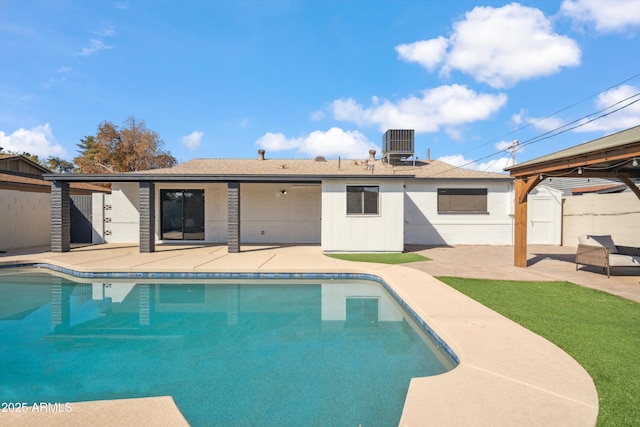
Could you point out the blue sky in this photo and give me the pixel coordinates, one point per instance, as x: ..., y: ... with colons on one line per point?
x: 300, y: 78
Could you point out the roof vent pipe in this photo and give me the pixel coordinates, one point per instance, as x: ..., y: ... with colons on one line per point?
x: 372, y: 155
x: 260, y: 154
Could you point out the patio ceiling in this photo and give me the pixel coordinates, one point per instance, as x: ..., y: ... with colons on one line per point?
x: 614, y: 156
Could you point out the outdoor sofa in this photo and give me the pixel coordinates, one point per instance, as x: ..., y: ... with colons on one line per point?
x: 600, y: 251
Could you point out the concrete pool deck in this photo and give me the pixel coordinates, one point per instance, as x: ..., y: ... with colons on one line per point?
x: 507, y: 374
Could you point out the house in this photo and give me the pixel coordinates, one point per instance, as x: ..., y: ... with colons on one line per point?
x: 25, y: 202
x: 366, y: 205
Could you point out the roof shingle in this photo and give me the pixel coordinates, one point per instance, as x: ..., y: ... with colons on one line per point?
x: 230, y: 167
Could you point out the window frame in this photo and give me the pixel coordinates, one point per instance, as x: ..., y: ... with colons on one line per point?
x: 363, y: 202
x: 479, y: 205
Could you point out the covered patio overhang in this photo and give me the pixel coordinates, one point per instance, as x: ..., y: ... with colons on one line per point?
x: 615, y: 156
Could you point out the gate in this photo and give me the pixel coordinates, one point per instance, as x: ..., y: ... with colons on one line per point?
x: 81, y: 219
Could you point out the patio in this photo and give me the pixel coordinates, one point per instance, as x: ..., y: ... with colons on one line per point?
x: 545, y: 263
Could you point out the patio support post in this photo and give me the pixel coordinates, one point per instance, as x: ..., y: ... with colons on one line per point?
x: 233, y: 216
x: 60, y: 217
x: 60, y: 304
x: 147, y: 217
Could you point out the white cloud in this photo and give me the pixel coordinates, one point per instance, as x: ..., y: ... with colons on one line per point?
x: 38, y: 141
x: 606, y: 16
x: 428, y: 53
x: 107, y: 32
x: 333, y: 143
x: 443, y: 106
x: 619, y: 120
x: 606, y: 102
x: 318, y: 115
x: 545, y: 124
x: 193, y: 140
x: 61, y: 72
x: 496, y: 165
x: 498, y: 46
x: 95, y: 45
x: 277, y: 142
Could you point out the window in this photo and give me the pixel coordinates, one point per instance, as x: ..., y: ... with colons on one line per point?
x: 362, y: 200
x: 462, y: 200
x: 362, y: 311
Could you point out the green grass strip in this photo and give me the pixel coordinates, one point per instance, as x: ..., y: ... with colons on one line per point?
x: 382, y: 258
x: 599, y: 330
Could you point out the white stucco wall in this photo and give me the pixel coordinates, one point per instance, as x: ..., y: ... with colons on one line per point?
x: 314, y: 214
x: 617, y: 215
x: 98, y: 203
x: 122, y: 221
x: 362, y: 233
x: 425, y: 226
x: 267, y: 215
x: 25, y: 219
x: 334, y: 301
x: 125, y: 217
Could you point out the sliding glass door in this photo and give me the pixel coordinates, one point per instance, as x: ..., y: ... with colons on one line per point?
x: 182, y: 214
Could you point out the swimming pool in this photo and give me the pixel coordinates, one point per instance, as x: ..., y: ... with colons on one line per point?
x: 231, y: 352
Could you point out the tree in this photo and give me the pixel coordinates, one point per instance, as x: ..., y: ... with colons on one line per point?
x: 58, y: 165
x: 132, y: 148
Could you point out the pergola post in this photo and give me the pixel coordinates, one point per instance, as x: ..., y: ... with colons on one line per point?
x: 520, y: 237
x: 60, y: 217
x: 147, y: 217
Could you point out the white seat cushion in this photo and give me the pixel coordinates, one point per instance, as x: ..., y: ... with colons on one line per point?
x: 619, y: 260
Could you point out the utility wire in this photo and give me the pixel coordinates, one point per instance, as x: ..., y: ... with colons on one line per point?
x: 541, y: 138
x: 559, y: 130
x: 553, y: 114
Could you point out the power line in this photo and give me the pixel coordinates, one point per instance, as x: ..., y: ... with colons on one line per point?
x: 554, y: 113
x: 582, y: 123
x: 561, y: 129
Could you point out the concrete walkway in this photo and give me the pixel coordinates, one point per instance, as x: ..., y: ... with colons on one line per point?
x: 507, y: 375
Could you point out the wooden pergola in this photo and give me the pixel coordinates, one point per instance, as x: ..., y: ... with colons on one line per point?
x: 613, y: 156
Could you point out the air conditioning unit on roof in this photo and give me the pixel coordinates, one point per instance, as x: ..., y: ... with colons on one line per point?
x: 398, y: 145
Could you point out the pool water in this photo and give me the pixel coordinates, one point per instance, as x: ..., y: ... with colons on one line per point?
x: 322, y: 353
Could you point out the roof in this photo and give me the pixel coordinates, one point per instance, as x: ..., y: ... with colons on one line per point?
x: 289, y: 170
x: 32, y: 167
x: 574, y: 186
x: 433, y: 168
x: 24, y: 183
x: 618, y: 141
